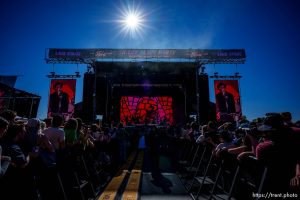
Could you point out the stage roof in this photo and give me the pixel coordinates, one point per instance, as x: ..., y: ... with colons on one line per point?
x: 146, y: 68
x: 11, y: 92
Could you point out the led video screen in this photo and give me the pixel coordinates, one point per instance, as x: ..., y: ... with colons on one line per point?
x: 228, y: 105
x: 62, y: 97
x: 146, y: 110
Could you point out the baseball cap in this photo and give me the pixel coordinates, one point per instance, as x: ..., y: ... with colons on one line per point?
x: 272, y: 122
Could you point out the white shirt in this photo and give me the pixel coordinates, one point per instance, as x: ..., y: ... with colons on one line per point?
x: 55, y: 135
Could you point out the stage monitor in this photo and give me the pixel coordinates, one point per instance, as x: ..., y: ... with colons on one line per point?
x: 146, y: 110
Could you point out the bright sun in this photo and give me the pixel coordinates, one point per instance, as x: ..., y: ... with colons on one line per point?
x: 132, y: 21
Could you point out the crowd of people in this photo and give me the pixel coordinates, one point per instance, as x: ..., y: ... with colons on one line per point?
x: 272, y: 141
x: 40, y: 158
x: 34, y: 152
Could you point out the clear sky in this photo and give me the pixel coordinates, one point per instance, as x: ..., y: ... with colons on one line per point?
x: 269, y: 31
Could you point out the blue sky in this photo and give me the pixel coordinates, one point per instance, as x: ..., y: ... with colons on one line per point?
x: 269, y: 31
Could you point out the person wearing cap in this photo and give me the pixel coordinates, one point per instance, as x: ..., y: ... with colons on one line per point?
x: 279, y: 152
x: 270, y: 130
x: 225, y: 101
x: 59, y: 100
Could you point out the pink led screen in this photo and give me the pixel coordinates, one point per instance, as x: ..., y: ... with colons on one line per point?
x: 141, y: 110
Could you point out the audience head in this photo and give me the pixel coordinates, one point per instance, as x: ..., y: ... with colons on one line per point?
x: 204, y: 129
x: 211, y: 126
x: 194, y: 125
x: 71, y: 124
x: 225, y: 136
x: 287, y: 118
x: 9, y: 115
x: 34, y: 123
x: 187, y: 126
x: 57, y: 121
x: 48, y: 122
x: 94, y: 128
x: 228, y: 126
x: 272, y: 123
x: 15, y: 132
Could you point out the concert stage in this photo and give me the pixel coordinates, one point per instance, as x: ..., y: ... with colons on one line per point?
x: 146, y: 85
x: 145, y: 92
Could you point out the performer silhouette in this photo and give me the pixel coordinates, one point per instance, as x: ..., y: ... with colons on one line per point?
x: 59, y: 100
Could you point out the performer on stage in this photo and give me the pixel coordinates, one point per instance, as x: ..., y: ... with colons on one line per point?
x: 151, y: 115
x: 59, y: 100
x: 225, y: 102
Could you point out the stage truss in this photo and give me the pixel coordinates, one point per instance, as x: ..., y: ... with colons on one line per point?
x: 90, y: 56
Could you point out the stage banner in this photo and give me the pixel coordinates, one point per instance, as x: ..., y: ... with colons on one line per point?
x: 228, y: 107
x: 81, y: 54
x: 62, y: 97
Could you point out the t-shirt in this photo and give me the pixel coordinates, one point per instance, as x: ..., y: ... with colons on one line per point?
x: 70, y: 136
x: 13, y: 150
x: 263, y: 150
x: 55, y: 135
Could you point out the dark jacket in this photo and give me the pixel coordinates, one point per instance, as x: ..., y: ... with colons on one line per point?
x: 56, y: 100
x: 221, y: 101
